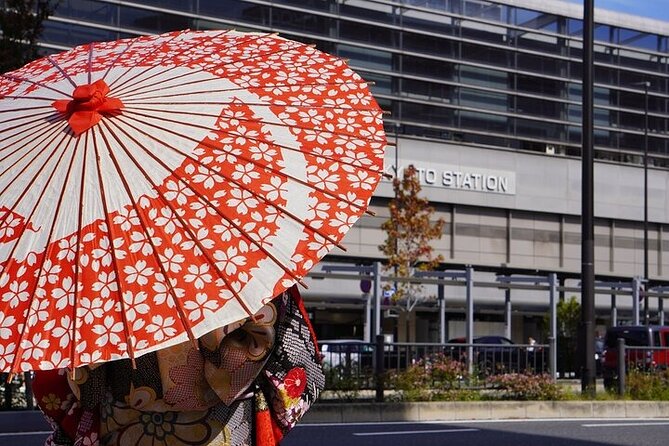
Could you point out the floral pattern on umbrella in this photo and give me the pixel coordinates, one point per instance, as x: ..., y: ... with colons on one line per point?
x: 209, y: 173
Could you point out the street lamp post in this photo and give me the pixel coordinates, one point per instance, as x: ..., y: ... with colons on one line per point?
x: 646, y: 286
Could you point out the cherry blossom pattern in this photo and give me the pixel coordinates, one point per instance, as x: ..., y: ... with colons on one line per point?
x: 237, y: 161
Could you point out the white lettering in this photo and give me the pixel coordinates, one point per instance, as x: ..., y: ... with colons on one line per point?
x: 503, y: 184
x: 430, y: 176
x: 491, y: 183
x: 467, y: 181
x: 447, y: 178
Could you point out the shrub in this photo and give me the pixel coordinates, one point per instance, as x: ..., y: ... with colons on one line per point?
x: 435, y: 378
x: 523, y: 386
x: 642, y: 385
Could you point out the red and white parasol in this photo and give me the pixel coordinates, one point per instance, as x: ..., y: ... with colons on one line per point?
x: 156, y: 188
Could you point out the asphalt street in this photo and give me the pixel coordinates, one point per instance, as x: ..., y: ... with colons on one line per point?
x: 628, y: 432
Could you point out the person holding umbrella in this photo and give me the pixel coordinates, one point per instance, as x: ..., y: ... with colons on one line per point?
x: 160, y: 198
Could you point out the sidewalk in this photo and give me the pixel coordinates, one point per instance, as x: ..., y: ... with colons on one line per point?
x: 326, y: 412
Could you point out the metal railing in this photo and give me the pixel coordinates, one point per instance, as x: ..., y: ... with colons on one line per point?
x: 624, y: 360
x: 367, y: 366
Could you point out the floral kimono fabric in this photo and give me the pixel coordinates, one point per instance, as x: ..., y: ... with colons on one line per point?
x: 248, y: 383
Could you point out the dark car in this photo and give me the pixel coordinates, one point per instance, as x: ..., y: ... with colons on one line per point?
x: 498, y: 354
x: 647, y: 348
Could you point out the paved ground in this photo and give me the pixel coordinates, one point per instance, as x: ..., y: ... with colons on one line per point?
x: 628, y: 432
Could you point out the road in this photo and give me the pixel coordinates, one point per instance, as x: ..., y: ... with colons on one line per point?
x: 629, y: 432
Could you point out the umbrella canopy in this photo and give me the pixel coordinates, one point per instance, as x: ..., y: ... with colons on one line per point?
x: 156, y: 188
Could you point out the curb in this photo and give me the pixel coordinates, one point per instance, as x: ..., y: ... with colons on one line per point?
x: 481, y: 410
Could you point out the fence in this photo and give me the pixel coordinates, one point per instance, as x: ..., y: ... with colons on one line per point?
x: 365, y: 366
x: 619, y: 363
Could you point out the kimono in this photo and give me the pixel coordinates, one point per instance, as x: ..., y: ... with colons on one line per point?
x: 244, y: 384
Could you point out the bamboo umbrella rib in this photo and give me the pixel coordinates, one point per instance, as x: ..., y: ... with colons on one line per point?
x: 112, y: 251
x: 278, y: 124
x: 119, y: 89
x: 22, y: 126
x: 18, y: 174
x: 136, y: 208
x: 205, y: 201
x: 152, y: 51
x: 137, y: 86
x: 222, y: 215
x: 134, y: 80
x: 60, y: 69
x: 236, y: 101
x: 23, y: 109
x: 90, y: 62
x: 28, y: 81
x: 25, y: 328
x: 273, y: 170
x: 46, y: 126
x: 239, y: 88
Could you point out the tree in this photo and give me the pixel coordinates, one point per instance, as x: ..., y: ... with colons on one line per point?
x: 21, y: 23
x: 568, y: 313
x: 410, y: 231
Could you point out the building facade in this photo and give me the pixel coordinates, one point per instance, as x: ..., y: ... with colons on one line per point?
x: 484, y: 98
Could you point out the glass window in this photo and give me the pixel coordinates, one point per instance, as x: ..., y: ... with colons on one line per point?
x: 483, y: 9
x: 67, y: 34
x: 426, y: 21
x: 152, y: 21
x: 320, y: 5
x: 540, y: 85
x: 484, y: 77
x: 374, y: 34
x: 367, y: 10
x: 429, y: 44
x: 604, y: 33
x: 440, y: 5
x: 539, y: 42
x: 95, y: 12
x: 638, y: 39
x: 483, y: 121
x: 426, y: 67
x: 236, y: 10
x: 299, y: 21
x: 484, y: 32
x: 179, y: 5
x: 540, y: 107
x: 428, y: 90
x: 428, y: 114
x: 480, y: 53
x: 366, y: 58
x: 575, y: 27
x: 485, y: 100
x: 382, y: 84
x: 539, y: 129
x: 541, y: 64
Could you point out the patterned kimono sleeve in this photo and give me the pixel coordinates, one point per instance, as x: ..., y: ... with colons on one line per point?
x: 293, y: 377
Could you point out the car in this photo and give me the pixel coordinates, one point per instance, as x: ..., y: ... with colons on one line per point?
x: 498, y: 354
x: 346, y: 353
x: 645, y: 358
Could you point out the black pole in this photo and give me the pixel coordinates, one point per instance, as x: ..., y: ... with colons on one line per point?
x: 646, y: 286
x: 587, y: 353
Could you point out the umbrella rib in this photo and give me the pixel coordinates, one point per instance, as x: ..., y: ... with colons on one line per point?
x: 297, y: 180
x: 119, y: 285
x: 185, y: 227
x: 90, y: 62
x: 118, y: 57
x: 112, y: 84
x: 59, y: 68
x: 218, y: 212
x: 236, y: 101
x: 28, y: 81
x: 25, y: 328
x: 126, y: 186
x: 277, y: 124
x: 119, y: 87
x: 24, y: 124
x: 197, y: 71
x: 119, y: 90
x: 34, y: 131
x: 23, y: 109
x: 237, y: 88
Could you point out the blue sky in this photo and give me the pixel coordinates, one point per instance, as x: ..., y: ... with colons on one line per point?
x: 656, y: 9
